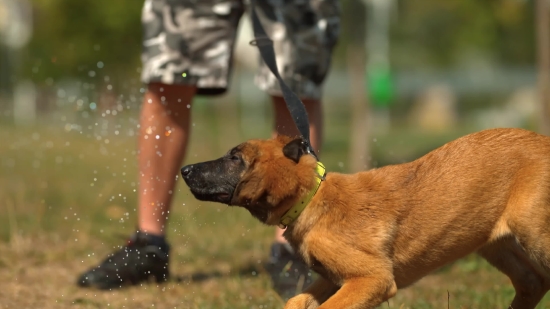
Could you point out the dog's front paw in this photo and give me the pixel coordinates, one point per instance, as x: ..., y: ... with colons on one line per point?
x: 302, y: 301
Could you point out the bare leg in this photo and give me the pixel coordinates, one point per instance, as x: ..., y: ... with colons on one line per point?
x: 285, y: 125
x: 162, y: 144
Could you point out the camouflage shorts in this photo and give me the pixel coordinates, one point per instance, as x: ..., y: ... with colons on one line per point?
x: 191, y: 42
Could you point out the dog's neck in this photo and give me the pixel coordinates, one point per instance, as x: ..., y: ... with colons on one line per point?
x: 297, y: 209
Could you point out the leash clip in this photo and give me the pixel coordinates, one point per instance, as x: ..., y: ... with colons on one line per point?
x: 261, y: 41
x: 308, y: 148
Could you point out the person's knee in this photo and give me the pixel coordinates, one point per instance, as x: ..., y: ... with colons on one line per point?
x: 171, y: 90
x: 170, y: 98
x: 312, y: 105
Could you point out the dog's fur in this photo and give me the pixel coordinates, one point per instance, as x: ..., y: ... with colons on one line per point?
x: 371, y: 233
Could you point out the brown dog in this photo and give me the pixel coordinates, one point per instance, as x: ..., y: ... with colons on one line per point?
x: 372, y: 233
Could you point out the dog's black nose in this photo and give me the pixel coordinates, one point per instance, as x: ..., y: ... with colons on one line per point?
x: 186, y: 170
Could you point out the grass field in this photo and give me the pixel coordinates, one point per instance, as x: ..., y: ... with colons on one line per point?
x: 67, y: 197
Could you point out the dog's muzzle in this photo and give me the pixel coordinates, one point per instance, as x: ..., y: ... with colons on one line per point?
x: 186, y: 171
x: 206, y: 185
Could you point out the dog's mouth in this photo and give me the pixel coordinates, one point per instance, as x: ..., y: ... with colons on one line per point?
x: 213, y: 196
x: 223, y: 195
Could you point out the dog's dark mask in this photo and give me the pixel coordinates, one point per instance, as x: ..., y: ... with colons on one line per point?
x: 216, y: 180
x: 252, y: 175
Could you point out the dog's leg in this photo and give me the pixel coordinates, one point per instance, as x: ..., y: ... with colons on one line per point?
x: 362, y: 292
x: 313, y: 296
x: 510, y: 258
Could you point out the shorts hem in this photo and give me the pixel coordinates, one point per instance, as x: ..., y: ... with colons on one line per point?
x: 203, y: 91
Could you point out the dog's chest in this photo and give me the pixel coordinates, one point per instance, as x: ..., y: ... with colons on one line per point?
x: 318, y: 267
x: 306, y: 249
x: 313, y: 262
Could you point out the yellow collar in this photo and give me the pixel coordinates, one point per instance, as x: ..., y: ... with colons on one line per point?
x: 297, y: 209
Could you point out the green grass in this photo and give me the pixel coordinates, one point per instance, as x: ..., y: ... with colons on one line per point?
x: 66, y: 198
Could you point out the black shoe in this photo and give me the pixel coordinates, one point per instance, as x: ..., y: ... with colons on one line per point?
x: 289, y: 274
x: 144, y: 256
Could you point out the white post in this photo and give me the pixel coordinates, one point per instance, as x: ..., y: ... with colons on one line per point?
x: 542, y: 20
x: 378, y: 44
x: 24, y: 103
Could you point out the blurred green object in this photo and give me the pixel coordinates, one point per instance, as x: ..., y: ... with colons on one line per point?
x: 380, y: 86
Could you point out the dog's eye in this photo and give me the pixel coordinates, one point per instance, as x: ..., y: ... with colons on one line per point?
x: 235, y: 158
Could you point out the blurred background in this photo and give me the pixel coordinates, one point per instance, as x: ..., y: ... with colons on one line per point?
x: 407, y: 77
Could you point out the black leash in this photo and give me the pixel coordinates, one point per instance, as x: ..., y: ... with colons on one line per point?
x: 295, y: 106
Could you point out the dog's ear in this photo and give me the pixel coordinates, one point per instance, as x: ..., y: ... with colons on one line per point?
x: 295, y: 149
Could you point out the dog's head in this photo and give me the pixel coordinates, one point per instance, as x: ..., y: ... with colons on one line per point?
x: 264, y: 176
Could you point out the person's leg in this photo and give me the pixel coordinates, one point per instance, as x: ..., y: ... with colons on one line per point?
x: 289, y: 273
x: 162, y: 144
x: 284, y: 124
x: 202, y: 69
x: 304, y: 35
x: 174, y: 70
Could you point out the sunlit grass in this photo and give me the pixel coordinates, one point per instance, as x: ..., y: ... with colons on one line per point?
x: 68, y: 197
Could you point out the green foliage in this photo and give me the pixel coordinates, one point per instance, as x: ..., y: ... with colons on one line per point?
x: 71, y: 37
x: 431, y: 33
x: 68, y: 198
